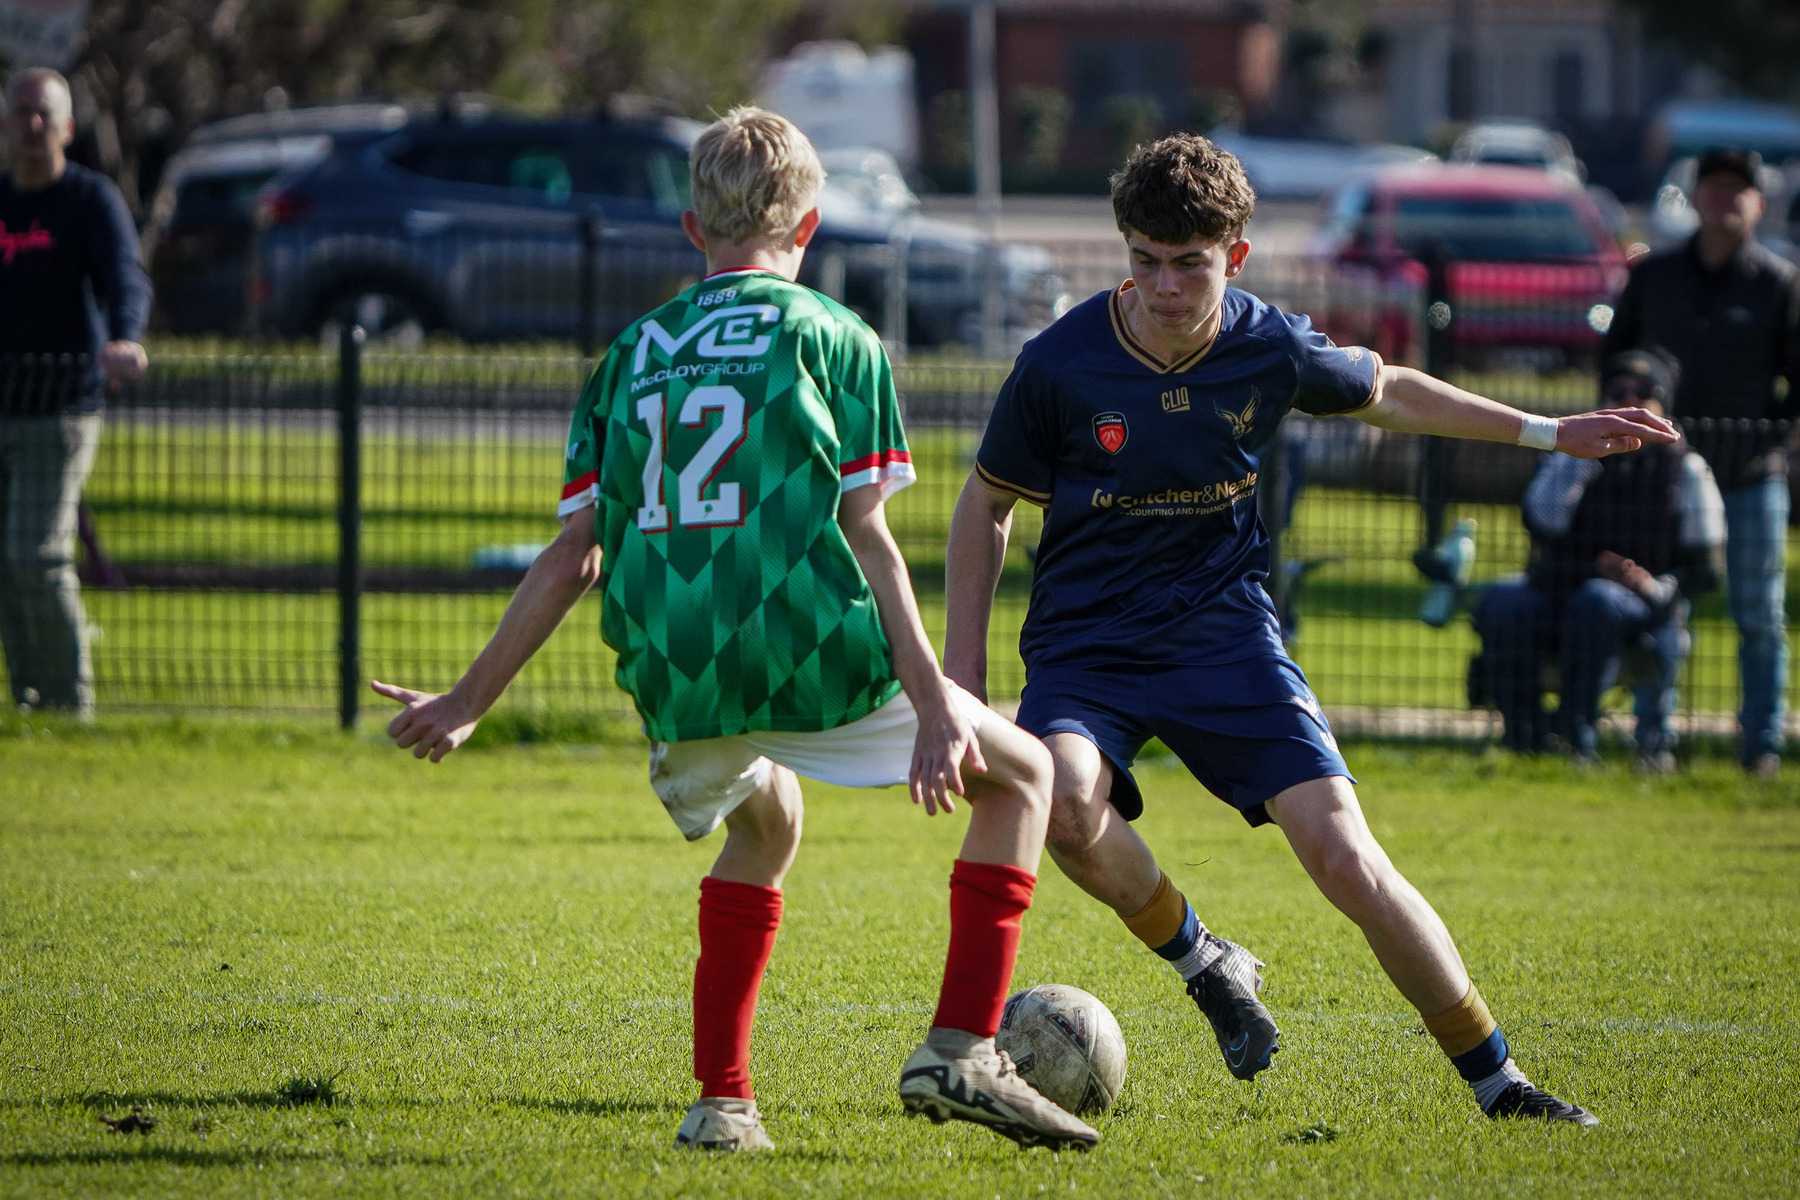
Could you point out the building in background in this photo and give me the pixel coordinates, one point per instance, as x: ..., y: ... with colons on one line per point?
x: 1081, y: 81
x: 1578, y: 66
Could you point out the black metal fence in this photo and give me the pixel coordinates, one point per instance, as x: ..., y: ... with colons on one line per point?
x: 265, y: 532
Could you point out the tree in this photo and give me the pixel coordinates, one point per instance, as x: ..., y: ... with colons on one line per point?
x: 1753, y: 43
x: 154, y: 70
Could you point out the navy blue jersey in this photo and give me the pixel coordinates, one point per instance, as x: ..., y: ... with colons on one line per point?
x: 1152, y: 550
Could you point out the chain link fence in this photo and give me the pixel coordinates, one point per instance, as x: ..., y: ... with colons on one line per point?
x: 264, y: 532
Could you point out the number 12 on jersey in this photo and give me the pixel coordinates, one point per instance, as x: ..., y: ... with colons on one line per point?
x: 693, y: 508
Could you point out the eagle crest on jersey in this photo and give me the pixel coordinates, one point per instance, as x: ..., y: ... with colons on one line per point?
x: 1242, y: 419
x: 714, y: 441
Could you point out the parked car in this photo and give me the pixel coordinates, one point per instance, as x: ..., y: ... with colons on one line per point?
x: 1687, y: 128
x: 197, y: 238
x: 1518, y: 144
x: 1530, y: 268
x: 492, y: 227
x: 1305, y: 168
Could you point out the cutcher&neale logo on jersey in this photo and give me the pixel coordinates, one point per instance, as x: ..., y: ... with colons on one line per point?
x: 1109, y: 431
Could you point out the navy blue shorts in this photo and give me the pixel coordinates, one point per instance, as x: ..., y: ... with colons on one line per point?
x: 1247, y: 730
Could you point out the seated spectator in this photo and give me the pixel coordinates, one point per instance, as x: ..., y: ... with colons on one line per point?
x: 1619, y: 545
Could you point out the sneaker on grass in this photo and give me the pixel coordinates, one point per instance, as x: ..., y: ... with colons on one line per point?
x: 956, y: 1076
x: 1522, y: 1098
x: 722, y: 1124
x: 1225, y: 990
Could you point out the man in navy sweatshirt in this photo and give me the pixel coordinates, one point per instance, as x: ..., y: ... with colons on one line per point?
x: 73, y: 301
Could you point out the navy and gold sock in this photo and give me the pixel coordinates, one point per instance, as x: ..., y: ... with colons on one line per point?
x: 1472, y: 1040
x: 1170, y: 927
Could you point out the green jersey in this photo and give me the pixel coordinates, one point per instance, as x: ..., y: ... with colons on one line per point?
x: 714, y: 441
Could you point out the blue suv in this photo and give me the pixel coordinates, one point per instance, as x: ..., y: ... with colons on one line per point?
x: 496, y: 227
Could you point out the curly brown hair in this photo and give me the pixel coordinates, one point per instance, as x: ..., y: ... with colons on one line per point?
x: 1182, y: 188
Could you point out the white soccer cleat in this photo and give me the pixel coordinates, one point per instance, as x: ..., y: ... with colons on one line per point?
x: 971, y: 1081
x: 722, y: 1124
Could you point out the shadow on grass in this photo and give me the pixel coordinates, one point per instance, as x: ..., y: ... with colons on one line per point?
x: 182, y: 1155
x: 173, y: 1155
x: 273, y: 1098
x: 596, y: 1108
x: 277, y: 1099
x: 186, y: 1157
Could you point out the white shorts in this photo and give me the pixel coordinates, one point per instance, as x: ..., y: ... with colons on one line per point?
x: 701, y: 781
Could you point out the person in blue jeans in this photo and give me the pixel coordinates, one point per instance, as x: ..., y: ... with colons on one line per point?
x: 1728, y: 309
x: 1618, y: 548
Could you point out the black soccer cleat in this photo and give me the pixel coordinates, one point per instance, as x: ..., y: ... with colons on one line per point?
x: 1526, y: 1100
x: 1226, y: 992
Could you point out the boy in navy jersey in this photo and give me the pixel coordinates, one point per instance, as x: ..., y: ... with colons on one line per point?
x: 1138, y: 422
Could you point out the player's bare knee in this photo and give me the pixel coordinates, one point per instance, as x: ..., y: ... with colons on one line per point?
x: 1019, y: 771
x: 1037, y: 776
x: 1077, y: 819
x: 1351, y: 874
x: 771, y: 817
x: 1027, y: 797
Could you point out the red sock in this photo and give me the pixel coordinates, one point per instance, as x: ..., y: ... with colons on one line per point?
x: 986, y: 902
x: 737, y: 932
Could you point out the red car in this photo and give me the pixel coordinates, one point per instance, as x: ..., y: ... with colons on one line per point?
x: 1530, y: 266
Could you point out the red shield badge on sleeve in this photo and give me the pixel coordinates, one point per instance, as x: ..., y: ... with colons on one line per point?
x: 1109, y: 431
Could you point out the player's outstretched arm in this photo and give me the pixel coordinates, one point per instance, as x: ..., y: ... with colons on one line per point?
x: 433, y: 724
x: 1411, y: 401
x: 946, y: 744
x: 979, y: 530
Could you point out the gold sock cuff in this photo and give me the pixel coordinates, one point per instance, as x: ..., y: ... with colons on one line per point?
x: 1159, y: 921
x: 1464, y: 1025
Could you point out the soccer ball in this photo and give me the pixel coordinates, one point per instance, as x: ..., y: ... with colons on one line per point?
x: 1066, y: 1044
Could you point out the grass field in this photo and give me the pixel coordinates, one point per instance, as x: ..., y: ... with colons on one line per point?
x: 492, y: 958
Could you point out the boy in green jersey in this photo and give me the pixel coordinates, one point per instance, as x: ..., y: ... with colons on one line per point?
x: 724, y: 485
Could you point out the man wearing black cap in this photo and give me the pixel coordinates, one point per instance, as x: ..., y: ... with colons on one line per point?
x: 1618, y: 546
x: 1729, y: 311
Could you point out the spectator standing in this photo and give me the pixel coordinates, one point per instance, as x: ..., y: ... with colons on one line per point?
x: 1729, y: 311
x: 71, y: 284
x: 1619, y: 545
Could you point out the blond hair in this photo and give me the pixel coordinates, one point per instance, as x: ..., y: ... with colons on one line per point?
x: 754, y: 175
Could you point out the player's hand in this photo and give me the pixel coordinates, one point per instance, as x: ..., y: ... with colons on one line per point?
x: 1612, y: 431
x: 944, y: 748
x: 1624, y: 571
x: 431, y: 724
x: 123, y: 360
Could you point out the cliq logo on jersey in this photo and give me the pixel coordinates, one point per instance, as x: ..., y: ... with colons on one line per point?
x: 723, y: 333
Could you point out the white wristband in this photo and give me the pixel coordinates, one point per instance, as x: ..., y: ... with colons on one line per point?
x: 1539, y: 433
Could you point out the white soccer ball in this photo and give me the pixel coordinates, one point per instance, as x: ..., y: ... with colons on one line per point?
x: 1066, y: 1044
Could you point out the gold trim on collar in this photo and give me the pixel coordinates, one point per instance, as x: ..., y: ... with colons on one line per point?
x: 1122, y: 331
